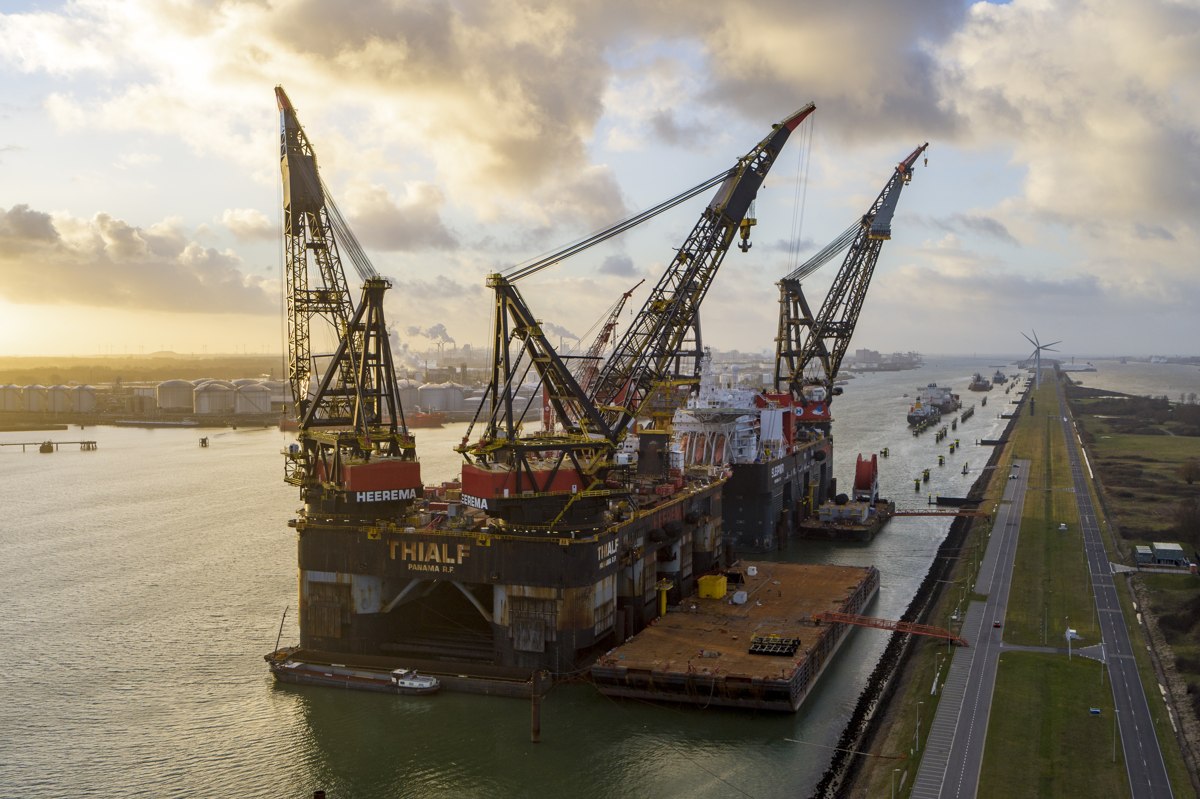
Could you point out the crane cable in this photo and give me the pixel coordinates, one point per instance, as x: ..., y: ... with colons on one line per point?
x: 827, y: 253
x: 519, y: 272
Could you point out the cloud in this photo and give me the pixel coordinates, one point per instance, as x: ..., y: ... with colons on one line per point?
x: 978, y: 224
x: 108, y: 263
x: 619, y: 265
x: 250, y: 224
x: 410, y: 224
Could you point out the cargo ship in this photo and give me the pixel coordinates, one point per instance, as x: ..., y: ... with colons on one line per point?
x: 780, y: 463
x: 979, y: 383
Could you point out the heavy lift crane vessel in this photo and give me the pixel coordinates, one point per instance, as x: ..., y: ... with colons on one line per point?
x: 809, y: 348
x: 806, y: 341
x: 565, y: 482
x: 354, y: 458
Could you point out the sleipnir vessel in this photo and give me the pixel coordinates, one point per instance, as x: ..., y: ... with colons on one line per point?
x: 557, y: 542
x: 785, y: 474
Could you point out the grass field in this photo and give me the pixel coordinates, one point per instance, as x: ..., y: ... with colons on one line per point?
x: 1053, y: 745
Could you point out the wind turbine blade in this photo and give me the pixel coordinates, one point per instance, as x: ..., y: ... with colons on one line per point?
x: 1036, y: 343
x: 1052, y: 343
x: 1031, y: 341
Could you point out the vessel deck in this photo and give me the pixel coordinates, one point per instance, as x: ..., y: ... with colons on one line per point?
x: 700, y: 652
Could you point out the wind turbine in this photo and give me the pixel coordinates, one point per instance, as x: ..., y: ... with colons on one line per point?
x: 1037, y: 353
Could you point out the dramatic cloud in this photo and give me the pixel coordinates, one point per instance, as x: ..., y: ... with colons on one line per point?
x: 106, y: 262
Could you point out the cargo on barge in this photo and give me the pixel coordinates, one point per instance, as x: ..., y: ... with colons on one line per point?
x: 748, y: 642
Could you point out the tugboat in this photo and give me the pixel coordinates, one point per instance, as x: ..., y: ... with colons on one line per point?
x: 920, y: 412
x: 999, y: 378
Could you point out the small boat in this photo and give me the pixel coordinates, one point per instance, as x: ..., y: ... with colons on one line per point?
x: 287, y: 667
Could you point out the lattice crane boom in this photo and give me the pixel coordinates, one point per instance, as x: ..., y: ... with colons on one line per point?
x: 641, y: 360
x: 353, y: 445
x: 805, y: 340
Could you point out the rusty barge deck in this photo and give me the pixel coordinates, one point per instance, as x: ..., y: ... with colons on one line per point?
x: 702, y: 653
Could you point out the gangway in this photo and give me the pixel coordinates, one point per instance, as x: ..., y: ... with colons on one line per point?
x: 889, y: 624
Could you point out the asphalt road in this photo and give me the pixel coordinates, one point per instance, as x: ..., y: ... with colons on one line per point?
x: 1143, y: 756
x: 953, y: 756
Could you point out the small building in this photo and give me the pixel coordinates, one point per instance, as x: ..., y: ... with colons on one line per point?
x: 1143, y: 555
x: 1167, y: 554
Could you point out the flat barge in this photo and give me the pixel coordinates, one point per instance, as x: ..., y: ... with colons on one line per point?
x: 752, y: 646
x: 856, y: 521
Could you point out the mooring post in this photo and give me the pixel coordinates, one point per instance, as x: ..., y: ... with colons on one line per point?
x: 535, y: 716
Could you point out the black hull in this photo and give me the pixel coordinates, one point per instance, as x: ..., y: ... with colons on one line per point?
x: 764, y: 502
x: 475, y: 600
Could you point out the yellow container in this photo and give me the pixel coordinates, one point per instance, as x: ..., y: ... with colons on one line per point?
x: 712, y: 586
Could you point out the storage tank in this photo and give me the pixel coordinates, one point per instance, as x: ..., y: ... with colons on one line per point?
x: 175, y: 395
x: 34, y: 398
x: 58, y: 399
x: 214, y: 398
x: 407, y: 389
x: 83, y: 399
x: 454, y: 396
x: 252, y: 398
x: 10, y: 398
x: 432, y: 397
x: 245, y: 381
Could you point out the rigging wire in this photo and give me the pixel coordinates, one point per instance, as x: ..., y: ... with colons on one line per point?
x: 523, y: 271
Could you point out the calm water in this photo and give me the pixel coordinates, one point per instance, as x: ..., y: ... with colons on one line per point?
x: 142, y: 583
x: 1140, y: 378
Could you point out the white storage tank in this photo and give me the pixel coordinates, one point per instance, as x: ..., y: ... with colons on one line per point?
x: 34, y: 398
x: 408, y: 391
x: 83, y: 399
x: 10, y: 398
x: 174, y: 395
x: 432, y: 397
x: 214, y: 398
x: 252, y: 398
x: 58, y: 399
x: 454, y: 396
x: 245, y: 381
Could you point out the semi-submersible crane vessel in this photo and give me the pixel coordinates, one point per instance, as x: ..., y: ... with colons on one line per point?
x: 559, y: 542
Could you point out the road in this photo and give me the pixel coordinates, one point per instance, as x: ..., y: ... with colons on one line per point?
x: 953, y: 756
x: 1139, y: 741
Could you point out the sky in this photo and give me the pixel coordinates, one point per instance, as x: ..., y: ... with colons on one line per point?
x: 140, y: 196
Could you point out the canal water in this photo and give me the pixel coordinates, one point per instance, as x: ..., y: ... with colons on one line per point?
x: 142, y: 583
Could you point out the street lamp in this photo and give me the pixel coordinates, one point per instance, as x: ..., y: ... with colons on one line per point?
x: 917, y: 731
x: 896, y: 771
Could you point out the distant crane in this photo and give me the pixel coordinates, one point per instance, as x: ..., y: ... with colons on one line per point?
x: 1037, y: 355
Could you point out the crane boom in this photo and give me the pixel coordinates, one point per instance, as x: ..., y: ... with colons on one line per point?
x: 566, y: 481
x: 640, y: 361
x: 805, y: 339
x: 352, y: 443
